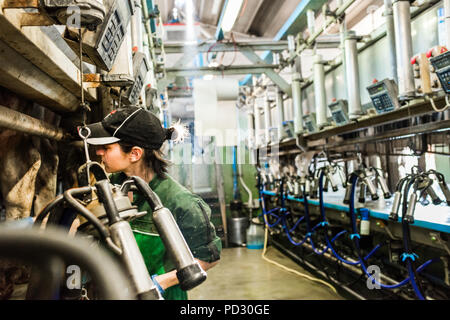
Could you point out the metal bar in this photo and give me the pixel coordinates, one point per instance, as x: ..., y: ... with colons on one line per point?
x: 419, y: 108
x: 275, y: 77
x: 17, y: 121
x: 240, y: 69
x: 213, y: 46
x: 312, y: 38
x: 396, y: 133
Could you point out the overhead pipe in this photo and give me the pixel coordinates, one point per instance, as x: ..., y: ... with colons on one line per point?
x: 14, y: 120
x: 390, y: 34
x: 319, y: 91
x: 312, y: 38
x: 366, y: 45
x: 342, y: 33
x: 310, y: 19
x: 352, y: 73
x: 403, y: 41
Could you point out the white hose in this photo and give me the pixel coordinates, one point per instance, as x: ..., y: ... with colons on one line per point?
x: 250, y: 197
x: 434, y: 105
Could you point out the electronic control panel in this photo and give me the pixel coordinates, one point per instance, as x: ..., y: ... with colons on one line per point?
x: 441, y: 65
x: 310, y: 122
x: 339, y: 112
x: 384, y: 95
x: 140, y: 69
x: 102, y: 46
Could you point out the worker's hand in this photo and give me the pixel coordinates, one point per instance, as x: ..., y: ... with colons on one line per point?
x: 169, y: 279
x: 74, y: 227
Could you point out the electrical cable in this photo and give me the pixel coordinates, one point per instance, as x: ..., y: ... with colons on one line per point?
x: 433, y: 105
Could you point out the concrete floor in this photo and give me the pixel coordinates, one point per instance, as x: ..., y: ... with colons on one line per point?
x: 242, y: 274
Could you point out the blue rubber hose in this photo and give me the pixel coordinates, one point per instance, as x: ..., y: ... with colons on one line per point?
x: 356, y: 241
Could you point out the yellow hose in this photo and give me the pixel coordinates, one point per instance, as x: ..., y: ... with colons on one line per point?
x: 286, y: 268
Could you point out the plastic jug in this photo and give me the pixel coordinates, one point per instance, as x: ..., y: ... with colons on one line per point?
x: 255, y: 236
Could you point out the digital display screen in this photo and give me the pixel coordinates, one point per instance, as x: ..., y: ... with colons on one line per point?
x: 377, y: 89
x: 441, y: 61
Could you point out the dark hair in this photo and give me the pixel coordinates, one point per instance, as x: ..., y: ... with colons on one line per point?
x: 153, y: 159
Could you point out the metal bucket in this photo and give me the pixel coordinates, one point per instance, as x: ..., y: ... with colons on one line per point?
x: 237, y: 230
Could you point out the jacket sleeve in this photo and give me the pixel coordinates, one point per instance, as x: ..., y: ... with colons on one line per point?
x: 194, y: 221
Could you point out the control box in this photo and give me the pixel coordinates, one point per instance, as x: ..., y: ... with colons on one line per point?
x: 384, y: 95
x: 339, y: 112
x: 140, y: 69
x: 310, y: 122
x: 102, y: 46
x: 441, y: 65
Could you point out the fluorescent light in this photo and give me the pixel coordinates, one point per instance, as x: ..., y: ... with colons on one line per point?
x: 230, y: 15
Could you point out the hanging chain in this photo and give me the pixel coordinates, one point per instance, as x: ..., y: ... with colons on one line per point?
x: 84, y: 105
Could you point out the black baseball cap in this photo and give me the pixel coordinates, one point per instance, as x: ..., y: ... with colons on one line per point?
x: 133, y: 125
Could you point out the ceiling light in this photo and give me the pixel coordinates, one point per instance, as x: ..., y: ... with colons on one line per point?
x: 231, y: 12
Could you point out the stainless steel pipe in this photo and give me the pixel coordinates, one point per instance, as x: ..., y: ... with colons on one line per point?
x: 390, y: 34
x: 352, y: 75
x: 403, y: 41
x: 319, y: 92
x: 18, y: 121
x: 297, y: 103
